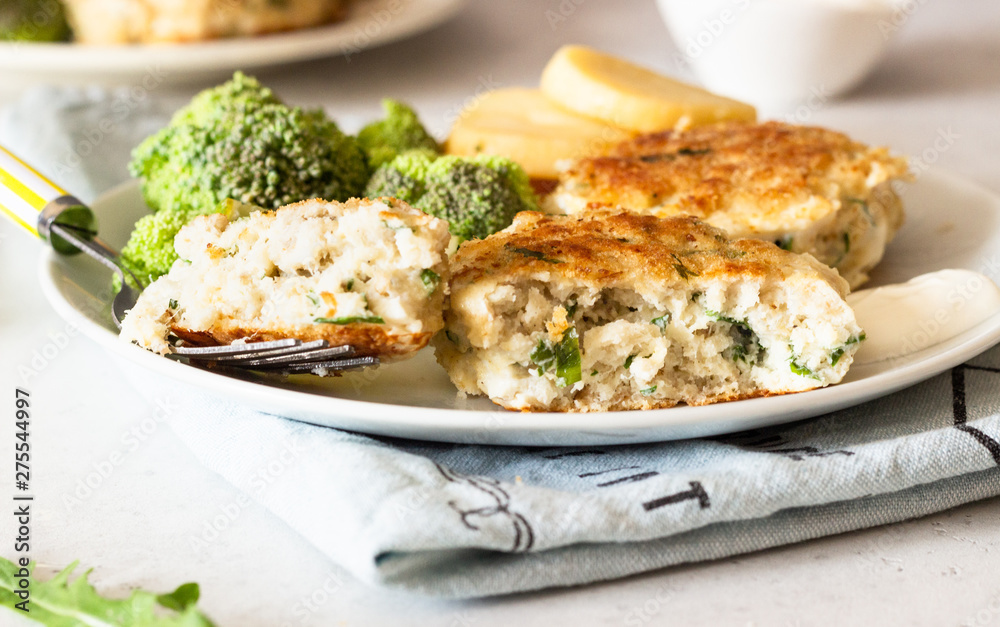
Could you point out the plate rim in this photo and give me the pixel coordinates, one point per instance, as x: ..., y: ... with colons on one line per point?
x: 227, y: 54
x: 587, y: 428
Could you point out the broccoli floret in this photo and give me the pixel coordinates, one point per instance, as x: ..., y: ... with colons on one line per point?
x: 478, y: 196
x: 33, y: 20
x: 398, y: 132
x: 403, y: 178
x: 236, y: 141
x: 242, y: 92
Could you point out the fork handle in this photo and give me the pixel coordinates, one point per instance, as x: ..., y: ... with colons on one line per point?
x: 34, y: 203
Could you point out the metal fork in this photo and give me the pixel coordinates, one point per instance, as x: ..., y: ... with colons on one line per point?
x: 70, y: 227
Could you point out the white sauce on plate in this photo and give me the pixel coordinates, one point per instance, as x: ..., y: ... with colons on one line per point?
x: 908, y: 317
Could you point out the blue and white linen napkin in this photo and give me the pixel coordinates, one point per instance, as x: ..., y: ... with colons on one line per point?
x: 467, y: 521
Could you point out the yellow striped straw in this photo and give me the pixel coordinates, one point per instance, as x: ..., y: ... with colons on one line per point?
x: 23, y: 191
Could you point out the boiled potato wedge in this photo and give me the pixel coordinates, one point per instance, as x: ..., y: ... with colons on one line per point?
x: 524, y: 125
x: 627, y: 96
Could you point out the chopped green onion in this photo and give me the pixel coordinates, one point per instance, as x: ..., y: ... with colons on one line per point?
x: 670, y: 156
x: 681, y: 269
x: 648, y: 391
x: 837, y: 354
x: 350, y: 320
x: 745, y: 340
x: 564, y: 355
x: 662, y: 322
x: 801, y: 370
x: 430, y: 279
x: 534, y: 254
x: 715, y: 315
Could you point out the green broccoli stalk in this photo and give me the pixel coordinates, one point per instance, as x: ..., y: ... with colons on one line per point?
x: 478, y: 196
x: 398, y: 132
x: 33, y: 20
x: 235, y: 141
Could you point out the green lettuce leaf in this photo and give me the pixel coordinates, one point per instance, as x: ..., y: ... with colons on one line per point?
x: 60, y: 602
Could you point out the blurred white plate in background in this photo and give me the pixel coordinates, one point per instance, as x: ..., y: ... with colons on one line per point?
x: 370, y: 23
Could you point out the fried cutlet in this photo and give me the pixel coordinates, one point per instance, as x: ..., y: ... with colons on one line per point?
x: 807, y: 189
x: 611, y: 310
x: 370, y: 273
x: 109, y: 22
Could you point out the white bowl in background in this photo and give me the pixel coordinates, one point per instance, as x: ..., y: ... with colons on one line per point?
x: 773, y: 52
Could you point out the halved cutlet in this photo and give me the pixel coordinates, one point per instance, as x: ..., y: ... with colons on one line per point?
x: 610, y: 310
x: 807, y: 189
x: 370, y: 273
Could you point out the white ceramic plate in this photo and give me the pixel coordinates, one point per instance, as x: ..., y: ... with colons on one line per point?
x: 951, y: 224
x: 370, y: 23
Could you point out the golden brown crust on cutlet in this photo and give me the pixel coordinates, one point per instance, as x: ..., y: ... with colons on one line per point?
x: 367, y: 339
x: 708, y: 169
x: 607, y: 247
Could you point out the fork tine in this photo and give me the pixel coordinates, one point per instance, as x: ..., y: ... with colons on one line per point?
x: 214, y: 352
x: 337, y: 365
x: 290, y: 351
x: 308, y: 355
x: 288, y: 356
